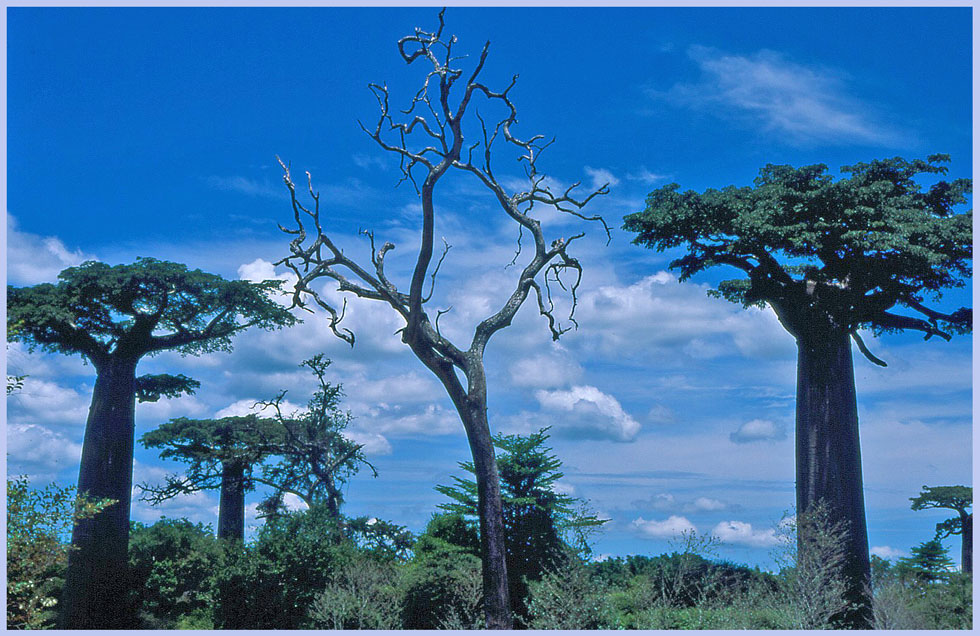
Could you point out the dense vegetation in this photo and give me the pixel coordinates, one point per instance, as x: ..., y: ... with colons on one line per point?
x: 308, y: 570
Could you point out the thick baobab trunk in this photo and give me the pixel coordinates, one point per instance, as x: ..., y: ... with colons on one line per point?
x: 96, y: 583
x: 231, y: 505
x: 828, y: 458
x: 966, y: 556
x: 496, y: 590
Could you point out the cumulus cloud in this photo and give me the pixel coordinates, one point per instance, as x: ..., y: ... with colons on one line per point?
x: 49, y: 403
x: 658, y: 316
x: 759, y: 430
x: 669, y: 528
x: 667, y: 502
x: 39, y: 452
x: 798, y: 103
x: 887, y: 552
x: 546, y: 371
x: 372, y: 443
x: 742, y: 533
x: 590, y: 413
x: 249, y: 406
x: 33, y: 259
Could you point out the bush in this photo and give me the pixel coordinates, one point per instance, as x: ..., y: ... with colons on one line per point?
x: 173, y: 566
x: 272, y: 582
x: 568, y: 598
x: 442, y: 587
x: 39, y: 526
x: 362, y: 594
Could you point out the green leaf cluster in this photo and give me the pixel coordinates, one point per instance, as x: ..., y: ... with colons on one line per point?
x: 853, y: 248
x: 39, y: 526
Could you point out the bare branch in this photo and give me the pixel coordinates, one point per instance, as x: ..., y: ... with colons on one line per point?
x: 863, y: 348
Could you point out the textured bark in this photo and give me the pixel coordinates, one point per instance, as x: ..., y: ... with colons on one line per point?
x: 97, y: 577
x: 231, y: 506
x: 828, y: 457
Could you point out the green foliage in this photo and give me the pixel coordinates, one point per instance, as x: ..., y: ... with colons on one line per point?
x: 537, y: 520
x: 205, y: 445
x: 97, y: 309
x: 173, y: 565
x: 151, y: 387
x: 957, y: 498
x: 39, y: 525
x: 902, y: 602
x: 929, y: 563
x: 361, y: 594
x: 315, y: 458
x: 272, y: 582
x: 442, y: 586
x: 569, y: 598
x: 382, y: 539
x: 853, y: 248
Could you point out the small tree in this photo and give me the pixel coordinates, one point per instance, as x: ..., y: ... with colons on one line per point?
x: 442, y: 132
x: 315, y: 457
x: 831, y: 258
x: 39, y: 525
x: 222, y: 454
x: 957, y: 498
x: 114, y: 316
x: 929, y: 563
x: 537, y: 519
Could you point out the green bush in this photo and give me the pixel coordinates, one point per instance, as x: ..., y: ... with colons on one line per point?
x: 173, y: 565
x: 272, y: 582
x: 361, y: 594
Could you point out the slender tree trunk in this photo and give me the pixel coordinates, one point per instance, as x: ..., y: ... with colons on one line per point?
x: 828, y: 458
x: 496, y: 589
x: 231, y: 505
x: 966, y: 556
x: 96, y: 583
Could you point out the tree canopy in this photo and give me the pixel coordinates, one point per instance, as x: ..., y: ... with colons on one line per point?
x: 865, y: 251
x: 146, y: 307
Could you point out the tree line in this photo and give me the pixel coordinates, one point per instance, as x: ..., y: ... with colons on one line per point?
x: 835, y: 259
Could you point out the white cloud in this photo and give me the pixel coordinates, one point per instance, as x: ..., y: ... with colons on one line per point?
x: 742, y: 533
x: 590, y: 413
x: 669, y: 528
x: 44, y: 402
x: 39, y: 452
x: 372, y: 443
x: 707, y: 504
x: 646, y: 177
x: 293, y: 502
x: 887, y: 552
x: 759, y: 430
x: 33, y: 259
x: 601, y: 176
x: 545, y: 371
x: 798, y: 103
x: 657, y: 316
x: 249, y: 406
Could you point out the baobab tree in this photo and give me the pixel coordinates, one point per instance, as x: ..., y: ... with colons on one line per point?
x: 304, y: 453
x: 958, y: 499
x: 221, y: 453
x: 114, y: 316
x: 830, y: 258
x: 429, y: 139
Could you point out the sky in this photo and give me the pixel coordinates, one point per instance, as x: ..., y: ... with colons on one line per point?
x: 154, y: 132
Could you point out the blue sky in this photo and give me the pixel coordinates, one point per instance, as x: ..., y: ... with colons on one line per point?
x: 153, y: 132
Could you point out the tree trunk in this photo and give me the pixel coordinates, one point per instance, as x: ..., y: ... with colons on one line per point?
x: 496, y: 591
x: 966, y: 556
x: 231, y: 505
x: 96, y: 583
x: 828, y: 458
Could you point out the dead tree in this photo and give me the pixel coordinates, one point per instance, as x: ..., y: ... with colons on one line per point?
x: 436, y: 117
